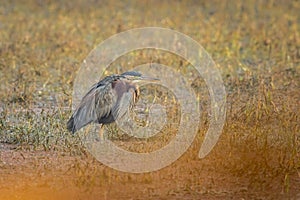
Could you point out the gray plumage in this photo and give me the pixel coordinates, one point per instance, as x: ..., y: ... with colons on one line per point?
x: 107, y: 100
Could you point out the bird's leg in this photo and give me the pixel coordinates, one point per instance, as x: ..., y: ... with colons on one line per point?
x: 101, y: 133
x: 86, y: 131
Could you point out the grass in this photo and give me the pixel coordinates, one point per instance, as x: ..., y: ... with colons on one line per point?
x: 256, y: 45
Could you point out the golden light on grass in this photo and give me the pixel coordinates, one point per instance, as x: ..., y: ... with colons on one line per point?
x: 258, y: 155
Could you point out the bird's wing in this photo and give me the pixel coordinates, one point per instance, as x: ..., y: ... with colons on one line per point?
x: 96, y: 104
x: 123, y: 104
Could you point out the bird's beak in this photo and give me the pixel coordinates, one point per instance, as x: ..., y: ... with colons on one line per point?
x: 147, y: 79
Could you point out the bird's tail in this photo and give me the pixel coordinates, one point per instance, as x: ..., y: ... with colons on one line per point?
x: 70, y: 125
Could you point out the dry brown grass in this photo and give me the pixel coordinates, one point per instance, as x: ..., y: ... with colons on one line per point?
x: 256, y: 45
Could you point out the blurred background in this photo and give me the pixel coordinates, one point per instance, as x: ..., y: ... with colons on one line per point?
x: 256, y: 46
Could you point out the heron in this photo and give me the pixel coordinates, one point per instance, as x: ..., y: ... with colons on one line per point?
x: 108, y: 100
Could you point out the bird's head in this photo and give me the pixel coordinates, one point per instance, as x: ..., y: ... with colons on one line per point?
x: 137, y: 77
